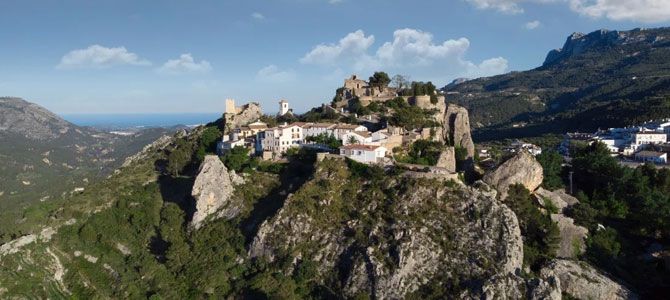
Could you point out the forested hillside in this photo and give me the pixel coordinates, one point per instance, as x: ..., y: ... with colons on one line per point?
x: 602, y: 79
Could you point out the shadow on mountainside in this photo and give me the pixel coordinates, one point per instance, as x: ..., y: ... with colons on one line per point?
x: 178, y: 189
x: 297, y: 173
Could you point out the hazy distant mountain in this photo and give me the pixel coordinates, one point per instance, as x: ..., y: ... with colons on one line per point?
x: 601, y: 79
x: 43, y: 156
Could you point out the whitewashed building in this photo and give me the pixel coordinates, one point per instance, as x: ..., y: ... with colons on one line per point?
x: 364, y: 153
x: 641, y: 138
x: 652, y: 156
x: 342, y: 129
x: 315, y: 129
x: 357, y: 137
x: 279, y: 139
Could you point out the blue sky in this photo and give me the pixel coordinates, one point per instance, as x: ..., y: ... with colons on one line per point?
x: 178, y: 56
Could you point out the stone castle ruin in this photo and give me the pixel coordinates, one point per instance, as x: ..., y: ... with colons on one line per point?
x: 356, y: 87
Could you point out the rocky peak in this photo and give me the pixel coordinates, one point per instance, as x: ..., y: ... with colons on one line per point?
x: 578, y: 43
x: 213, y: 190
x: 456, y: 128
x: 30, y: 120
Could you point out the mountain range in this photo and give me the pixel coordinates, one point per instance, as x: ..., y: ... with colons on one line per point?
x: 596, y: 80
x: 43, y: 157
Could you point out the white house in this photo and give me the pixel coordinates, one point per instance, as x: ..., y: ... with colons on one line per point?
x: 641, y: 138
x: 357, y: 137
x: 363, y: 153
x: 223, y: 146
x: 279, y: 139
x: 320, y: 128
x: 380, y: 135
x: 342, y: 129
x: 652, y: 156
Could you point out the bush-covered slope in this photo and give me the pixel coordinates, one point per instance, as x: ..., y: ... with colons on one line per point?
x: 43, y: 157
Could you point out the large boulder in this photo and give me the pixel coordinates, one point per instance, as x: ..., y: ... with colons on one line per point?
x: 447, y: 160
x: 212, y: 191
x: 559, y: 198
x: 583, y: 282
x: 520, y: 169
x: 456, y: 128
x: 572, y: 237
x: 250, y: 112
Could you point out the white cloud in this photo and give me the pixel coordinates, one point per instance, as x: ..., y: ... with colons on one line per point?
x: 334, y: 1
x: 650, y: 11
x: 497, y: 65
x: 411, y: 50
x: 99, y: 57
x: 184, y: 64
x: 532, y: 25
x: 272, y: 73
x: 258, y: 16
x: 351, y: 47
x: 414, y: 47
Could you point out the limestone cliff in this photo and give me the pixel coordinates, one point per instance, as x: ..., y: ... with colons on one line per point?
x: 522, y: 168
x: 447, y: 159
x: 583, y: 282
x: 456, y: 128
x: 250, y: 112
x: 212, y: 191
x: 426, y: 230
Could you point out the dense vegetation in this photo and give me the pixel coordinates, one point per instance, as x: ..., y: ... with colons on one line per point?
x: 422, y: 152
x: 633, y: 206
x: 408, y: 116
x: 541, y: 234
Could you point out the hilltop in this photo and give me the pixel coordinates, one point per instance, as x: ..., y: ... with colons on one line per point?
x: 604, y: 78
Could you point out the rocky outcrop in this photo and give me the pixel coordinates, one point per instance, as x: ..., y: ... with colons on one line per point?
x: 515, y: 287
x: 447, y: 160
x: 572, y: 237
x: 559, y: 198
x: 456, y: 128
x: 389, y: 260
x: 520, y: 169
x: 578, y: 43
x: 249, y: 112
x: 159, y: 144
x: 583, y: 282
x: 212, y: 191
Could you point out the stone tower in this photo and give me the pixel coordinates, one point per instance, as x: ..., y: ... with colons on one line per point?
x: 283, y: 107
x: 230, y: 106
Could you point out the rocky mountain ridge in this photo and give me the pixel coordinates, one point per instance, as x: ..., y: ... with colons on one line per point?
x: 597, y: 80
x: 578, y: 43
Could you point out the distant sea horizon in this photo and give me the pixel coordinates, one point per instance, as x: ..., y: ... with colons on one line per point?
x: 140, y: 119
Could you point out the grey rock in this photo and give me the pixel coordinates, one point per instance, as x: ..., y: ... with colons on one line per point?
x: 486, y: 240
x: 520, y: 169
x: 213, y: 191
x: 572, y: 237
x: 250, y: 112
x: 447, y: 160
x: 582, y: 281
x: 559, y: 198
x: 456, y: 128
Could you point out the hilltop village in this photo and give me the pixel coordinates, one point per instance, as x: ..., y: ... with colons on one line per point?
x: 369, y: 122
